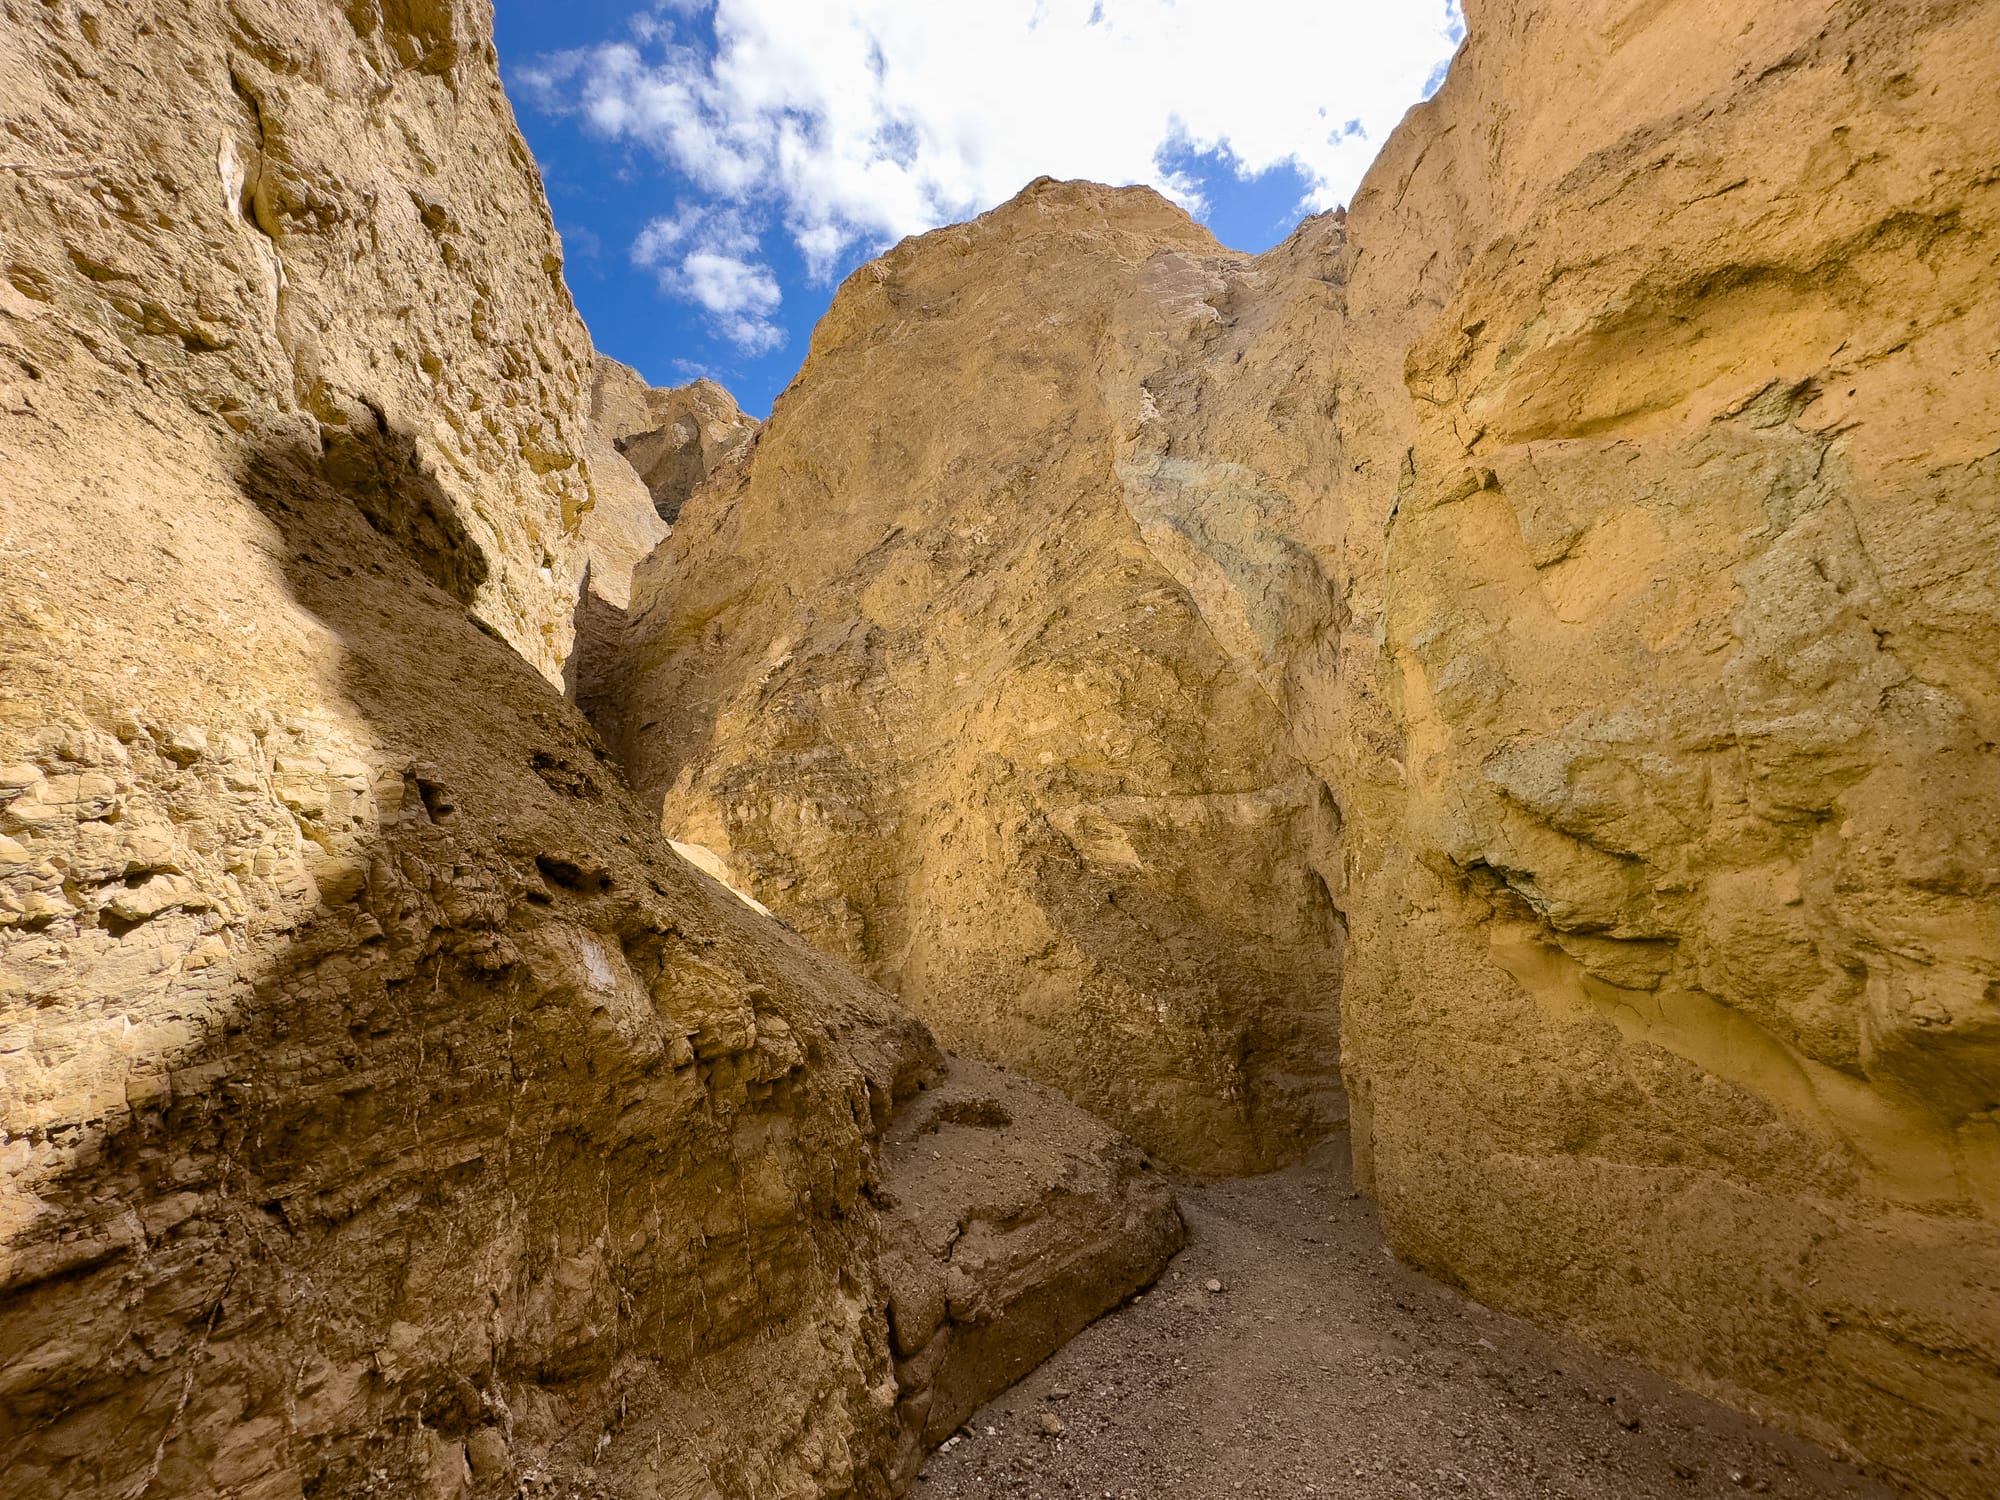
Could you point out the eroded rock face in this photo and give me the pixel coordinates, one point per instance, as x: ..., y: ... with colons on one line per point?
x: 674, y: 436
x: 387, y: 1110
x: 273, y: 207
x: 931, y: 673
x: 1603, y: 513
x: 1011, y: 1221
x: 1673, y: 1005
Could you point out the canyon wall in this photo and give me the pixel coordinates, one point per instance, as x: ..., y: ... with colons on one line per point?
x: 1672, y: 1010
x: 384, y: 1107
x: 925, y: 673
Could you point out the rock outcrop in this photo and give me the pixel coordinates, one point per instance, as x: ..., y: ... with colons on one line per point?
x: 1008, y: 1225
x: 1673, y: 1002
x: 384, y: 1107
x: 933, y: 673
x: 1581, y: 557
x: 673, y: 436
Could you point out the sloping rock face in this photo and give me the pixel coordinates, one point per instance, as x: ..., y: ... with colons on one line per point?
x: 387, y: 1110
x: 1008, y: 1224
x: 674, y: 436
x: 933, y: 675
x: 1673, y: 1003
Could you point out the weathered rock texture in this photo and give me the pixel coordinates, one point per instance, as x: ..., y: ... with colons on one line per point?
x: 934, y: 675
x: 674, y: 436
x: 649, y: 449
x: 1607, y: 513
x: 1008, y: 1224
x: 384, y: 1108
x: 1668, y: 380
x: 399, y: 296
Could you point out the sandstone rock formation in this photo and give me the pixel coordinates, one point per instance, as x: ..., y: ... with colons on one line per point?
x: 675, y: 436
x: 1604, y: 515
x: 934, y: 675
x: 1008, y: 1225
x: 384, y: 1108
x: 1673, y: 1000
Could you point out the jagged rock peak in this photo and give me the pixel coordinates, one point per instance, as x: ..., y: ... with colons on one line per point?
x: 675, y: 437
x: 943, y: 674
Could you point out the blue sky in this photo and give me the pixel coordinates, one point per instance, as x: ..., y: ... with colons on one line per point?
x: 716, y: 167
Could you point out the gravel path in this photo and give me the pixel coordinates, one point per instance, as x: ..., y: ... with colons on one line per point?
x: 1324, y: 1367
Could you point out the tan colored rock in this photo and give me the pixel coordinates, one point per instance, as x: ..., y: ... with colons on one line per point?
x: 386, y: 1109
x: 249, y: 220
x: 931, y: 675
x: 619, y: 531
x: 648, y: 448
x: 1673, y: 810
x: 1012, y: 1220
x: 1603, y: 512
x: 674, y: 436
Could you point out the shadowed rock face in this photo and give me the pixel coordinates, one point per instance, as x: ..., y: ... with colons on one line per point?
x: 387, y: 1109
x: 936, y: 675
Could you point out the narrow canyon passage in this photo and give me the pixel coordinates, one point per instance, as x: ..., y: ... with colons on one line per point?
x: 1324, y: 1366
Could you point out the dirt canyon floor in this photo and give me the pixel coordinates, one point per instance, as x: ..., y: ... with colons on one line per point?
x: 1286, y: 1353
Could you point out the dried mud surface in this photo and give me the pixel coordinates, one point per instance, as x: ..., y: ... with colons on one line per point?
x: 1324, y: 1366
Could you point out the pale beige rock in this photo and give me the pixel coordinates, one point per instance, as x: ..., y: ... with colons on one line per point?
x: 678, y: 437
x: 933, y: 674
x: 674, y: 437
x: 386, y: 1109
x: 1673, y: 812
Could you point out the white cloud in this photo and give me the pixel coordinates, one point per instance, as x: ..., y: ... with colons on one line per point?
x: 859, y: 121
x: 708, y: 256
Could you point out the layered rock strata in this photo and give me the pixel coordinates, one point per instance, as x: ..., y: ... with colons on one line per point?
x: 384, y: 1107
x: 936, y: 673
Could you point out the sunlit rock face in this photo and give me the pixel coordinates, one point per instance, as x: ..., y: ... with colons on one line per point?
x: 970, y: 675
x: 385, y: 1109
x: 1579, y: 559
x: 1666, y: 506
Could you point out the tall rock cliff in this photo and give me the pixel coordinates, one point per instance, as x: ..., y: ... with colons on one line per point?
x: 1581, y: 557
x: 384, y: 1109
x: 933, y: 674
x: 1667, y: 383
